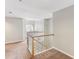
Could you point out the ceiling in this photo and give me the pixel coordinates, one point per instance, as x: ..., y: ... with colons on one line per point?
x: 34, y: 9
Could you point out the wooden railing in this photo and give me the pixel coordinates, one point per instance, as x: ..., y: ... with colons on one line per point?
x: 33, y: 42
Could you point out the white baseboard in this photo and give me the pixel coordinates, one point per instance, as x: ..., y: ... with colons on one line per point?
x: 12, y: 42
x: 56, y: 49
x: 63, y: 52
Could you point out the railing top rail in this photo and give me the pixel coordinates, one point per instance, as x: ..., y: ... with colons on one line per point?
x: 43, y: 35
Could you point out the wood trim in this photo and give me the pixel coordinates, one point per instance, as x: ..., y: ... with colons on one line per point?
x: 33, y: 48
x: 44, y: 35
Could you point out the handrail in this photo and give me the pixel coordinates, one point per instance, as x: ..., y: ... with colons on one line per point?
x: 44, y: 35
x: 33, y: 43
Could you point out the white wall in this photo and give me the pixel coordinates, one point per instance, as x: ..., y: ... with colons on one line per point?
x: 13, y: 29
x: 48, y: 29
x: 64, y: 30
x: 51, y: 42
x: 39, y: 25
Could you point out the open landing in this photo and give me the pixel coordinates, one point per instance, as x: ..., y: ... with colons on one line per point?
x: 20, y: 51
x: 52, y: 54
x: 17, y: 51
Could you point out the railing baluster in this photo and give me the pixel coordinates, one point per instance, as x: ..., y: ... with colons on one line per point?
x: 33, y: 43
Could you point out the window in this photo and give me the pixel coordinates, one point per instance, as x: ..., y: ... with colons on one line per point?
x: 29, y: 28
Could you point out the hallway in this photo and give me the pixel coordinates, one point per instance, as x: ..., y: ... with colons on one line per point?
x: 20, y: 51
x: 32, y: 27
